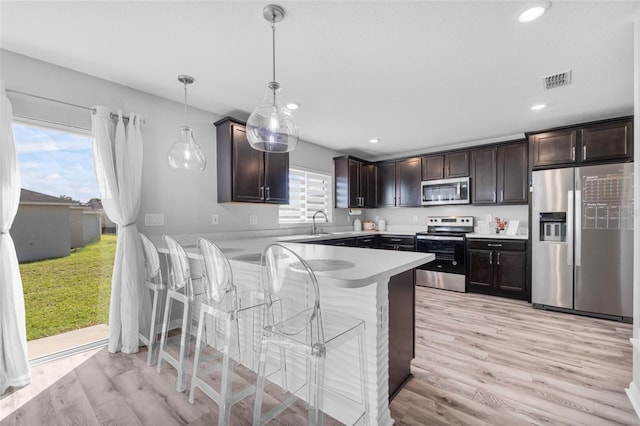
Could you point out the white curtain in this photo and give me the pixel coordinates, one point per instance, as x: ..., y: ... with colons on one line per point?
x: 14, y: 363
x: 117, y: 154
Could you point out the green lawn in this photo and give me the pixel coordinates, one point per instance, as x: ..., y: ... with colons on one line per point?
x: 70, y: 292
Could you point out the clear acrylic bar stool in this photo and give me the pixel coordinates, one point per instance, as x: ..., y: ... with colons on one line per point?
x: 224, y: 304
x: 180, y: 290
x: 153, y: 282
x: 295, y: 323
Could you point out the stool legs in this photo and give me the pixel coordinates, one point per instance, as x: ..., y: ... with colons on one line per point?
x: 180, y: 364
x: 153, y: 331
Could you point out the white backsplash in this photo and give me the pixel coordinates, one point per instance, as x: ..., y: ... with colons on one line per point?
x: 418, y: 216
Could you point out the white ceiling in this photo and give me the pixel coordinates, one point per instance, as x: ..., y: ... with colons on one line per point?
x: 419, y: 75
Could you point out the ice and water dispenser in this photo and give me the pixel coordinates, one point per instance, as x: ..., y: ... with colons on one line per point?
x: 553, y: 226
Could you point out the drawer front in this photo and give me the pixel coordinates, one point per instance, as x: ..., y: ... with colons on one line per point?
x: 397, y: 247
x: 513, y: 245
x: 398, y: 240
x: 367, y: 242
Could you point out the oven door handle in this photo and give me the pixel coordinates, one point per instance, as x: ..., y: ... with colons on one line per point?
x: 439, y: 238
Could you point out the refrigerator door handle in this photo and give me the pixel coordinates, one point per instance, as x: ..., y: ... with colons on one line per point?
x: 578, y: 228
x: 570, y: 228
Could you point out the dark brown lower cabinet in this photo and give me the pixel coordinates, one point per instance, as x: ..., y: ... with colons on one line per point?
x: 497, y: 267
x: 401, y: 329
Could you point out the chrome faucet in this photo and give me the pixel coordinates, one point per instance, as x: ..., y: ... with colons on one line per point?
x: 313, y: 220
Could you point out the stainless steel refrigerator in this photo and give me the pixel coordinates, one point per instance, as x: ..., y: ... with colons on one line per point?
x: 582, y: 240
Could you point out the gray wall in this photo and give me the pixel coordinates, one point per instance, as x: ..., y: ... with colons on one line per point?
x: 91, y: 227
x: 85, y: 226
x: 41, y: 232
x: 186, y: 199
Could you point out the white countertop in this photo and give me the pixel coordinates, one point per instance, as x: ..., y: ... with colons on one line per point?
x: 369, y: 265
x: 497, y: 236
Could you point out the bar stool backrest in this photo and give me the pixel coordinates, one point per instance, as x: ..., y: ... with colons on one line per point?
x: 179, y: 270
x: 289, y: 281
x: 217, y: 271
x: 151, y: 258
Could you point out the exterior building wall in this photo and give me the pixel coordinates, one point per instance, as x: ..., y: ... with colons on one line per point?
x: 41, y: 232
x: 92, y: 227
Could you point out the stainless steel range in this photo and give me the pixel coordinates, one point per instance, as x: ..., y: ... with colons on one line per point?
x: 445, y: 237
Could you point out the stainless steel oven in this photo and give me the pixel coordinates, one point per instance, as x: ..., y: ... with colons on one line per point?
x: 445, y: 191
x: 445, y: 237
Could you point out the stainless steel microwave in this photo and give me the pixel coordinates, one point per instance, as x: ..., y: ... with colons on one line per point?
x: 446, y: 191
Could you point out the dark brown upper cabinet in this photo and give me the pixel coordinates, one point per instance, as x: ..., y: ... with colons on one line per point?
x: 398, y: 183
x: 454, y: 164
x: 603, y: 141
x: 245, y: 174
x: 607, y: 141
x: 408, y: 186
x: 499, y: 174
x: 513, y: 173
x: 386, y: 184
x: 354, y: 183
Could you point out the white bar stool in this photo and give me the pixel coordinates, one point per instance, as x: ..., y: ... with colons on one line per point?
x: 180, y: 290
x: 225, y: 304
x: 153, y: 282
x: 295, y: 323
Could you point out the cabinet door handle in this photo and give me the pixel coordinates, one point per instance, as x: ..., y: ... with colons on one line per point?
x: 262, y: 192
x: 491, y: 258
x: 493, y: 245
x: 584, y: 152
x: 268, y: 193
x: 501, y: 195
x: 494, y: 196
x: 573, y: 153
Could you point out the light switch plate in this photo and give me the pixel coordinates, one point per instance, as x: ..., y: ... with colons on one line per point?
x: 253, y: 219
x: 154, y: 219
x: 214, y: 219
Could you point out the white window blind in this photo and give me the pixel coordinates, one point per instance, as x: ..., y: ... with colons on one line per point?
x: 308, y: 193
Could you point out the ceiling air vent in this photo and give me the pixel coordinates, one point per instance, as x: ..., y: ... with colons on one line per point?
x: 556, y: 80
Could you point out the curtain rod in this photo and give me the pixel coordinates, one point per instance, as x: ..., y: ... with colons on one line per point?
x: 92, y: 110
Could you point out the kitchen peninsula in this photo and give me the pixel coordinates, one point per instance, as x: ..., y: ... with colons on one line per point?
x: 376, y: 286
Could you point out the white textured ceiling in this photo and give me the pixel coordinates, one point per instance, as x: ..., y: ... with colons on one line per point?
x: 419, y: 75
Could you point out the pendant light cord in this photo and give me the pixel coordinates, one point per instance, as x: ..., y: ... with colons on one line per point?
x: 185, y: 105
x: 273, y: 42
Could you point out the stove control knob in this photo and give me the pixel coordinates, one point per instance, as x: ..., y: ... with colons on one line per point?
x: 454, y: 263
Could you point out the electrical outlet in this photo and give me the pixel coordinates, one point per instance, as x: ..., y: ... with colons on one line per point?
x: 214, y: 219
x: 415, y: 218
x: 154, y: 219
x: 253, y: 219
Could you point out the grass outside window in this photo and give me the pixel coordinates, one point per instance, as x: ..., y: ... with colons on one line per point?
x: 71, y: 292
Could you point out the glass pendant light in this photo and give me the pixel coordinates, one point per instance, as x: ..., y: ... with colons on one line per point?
x: 186, y: 153
x: 271, y: 127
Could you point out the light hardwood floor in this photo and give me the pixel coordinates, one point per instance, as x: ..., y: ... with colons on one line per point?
x: 480, y: 360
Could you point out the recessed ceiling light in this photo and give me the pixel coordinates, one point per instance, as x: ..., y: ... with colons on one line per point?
x: 374, y: 140
x: 293, y: 105
x: 533, y: 11
x: 538, y: 107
